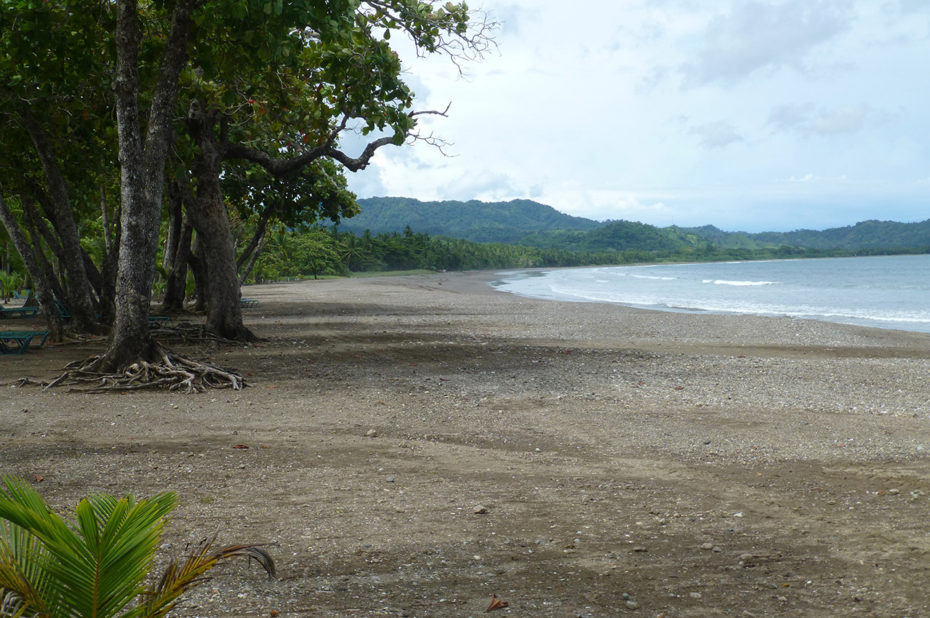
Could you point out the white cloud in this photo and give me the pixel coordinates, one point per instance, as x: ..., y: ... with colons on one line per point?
x: 787, y: 101
x: 593, y: 203
x: 806, y: 119
x: 913, y: 6
x: 716, y: 134
x: 761, y: 35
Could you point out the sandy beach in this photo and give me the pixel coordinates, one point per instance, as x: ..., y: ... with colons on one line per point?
x: 418, y: 444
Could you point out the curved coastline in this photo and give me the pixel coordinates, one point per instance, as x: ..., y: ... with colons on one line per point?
x: 860, y: 295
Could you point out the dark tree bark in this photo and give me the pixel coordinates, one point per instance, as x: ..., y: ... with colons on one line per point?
x: 199, y: 270
x: 282, y: 167
x: 58, y: 209
x: 43, y: 287
x: 178, y: 248
x: 253, y: 248
x: 105, y: 213
x: 142, y: 163
x: 208, y: 213
x: 39, y: 226
x: 108, y: 291
x: 94, y: 277
x: 245, y: 271
x: 175, y: 221
x: 38, y: 231
x: 219, y: 287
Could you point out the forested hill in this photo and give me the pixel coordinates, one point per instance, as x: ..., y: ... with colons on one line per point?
x: 866, y: 235
x: 473, y: 220
x: 533, y: 224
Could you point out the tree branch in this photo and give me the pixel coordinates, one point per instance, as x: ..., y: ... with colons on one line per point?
x: 460, y: 46
x: 281, y: 167
x: 276, y: 167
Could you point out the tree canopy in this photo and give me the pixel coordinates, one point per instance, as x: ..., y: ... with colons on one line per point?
x: 208, y: 119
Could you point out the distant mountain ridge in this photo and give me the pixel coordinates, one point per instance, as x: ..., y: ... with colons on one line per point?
x: 473, y: 220
x: 533, y: 224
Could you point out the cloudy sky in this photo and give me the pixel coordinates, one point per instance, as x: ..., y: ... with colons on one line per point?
x: 747, y: 114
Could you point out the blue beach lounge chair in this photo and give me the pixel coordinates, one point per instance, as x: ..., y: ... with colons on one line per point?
x: 17, y: 341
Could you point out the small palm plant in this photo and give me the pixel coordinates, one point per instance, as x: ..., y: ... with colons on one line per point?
x: 98, y: 565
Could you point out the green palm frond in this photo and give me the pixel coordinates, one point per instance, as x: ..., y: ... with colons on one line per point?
x: 96, y: 566
x: 22, y: 572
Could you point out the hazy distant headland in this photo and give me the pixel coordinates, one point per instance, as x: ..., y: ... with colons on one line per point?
x: 531, y: 224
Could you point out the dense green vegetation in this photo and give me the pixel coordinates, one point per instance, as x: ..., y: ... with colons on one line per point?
x: 319, y: 251
x: 402, y: 233
x: 532, y: 224
x: 138, y: 135
x: 866, y: 235
x: 473, y: 220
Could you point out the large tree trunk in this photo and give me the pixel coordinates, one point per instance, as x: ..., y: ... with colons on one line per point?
x: 110, y: 265
x: 141, y: 183
x: 176, y: 286
x: 199, y: 269
x: 177, y: 250
x: 255, y: 244
x: 58, y: 209
x: 42, y: 285
x: 224, y: 311
x: 175, y: 222
x: 246, y: 270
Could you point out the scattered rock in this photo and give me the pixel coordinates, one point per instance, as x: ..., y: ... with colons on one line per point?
x: 371, y: 433
x: 479, y: 509
x: 707, y: 546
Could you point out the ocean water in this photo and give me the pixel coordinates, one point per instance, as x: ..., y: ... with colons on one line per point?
x: 884, y: 292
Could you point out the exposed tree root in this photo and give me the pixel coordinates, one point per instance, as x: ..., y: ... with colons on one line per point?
x: 186, y: 332
x: 19, y: 383
x: 169, y: 370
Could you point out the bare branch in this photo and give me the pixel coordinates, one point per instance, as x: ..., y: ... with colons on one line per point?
x: 432, y: 140
x: 432, y: 112
x: 282, y: 166
x: 355, y: 164
x: 460, y: 47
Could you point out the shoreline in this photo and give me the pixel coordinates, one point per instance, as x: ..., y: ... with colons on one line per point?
x: 694, y: 303
x: 708, y: 327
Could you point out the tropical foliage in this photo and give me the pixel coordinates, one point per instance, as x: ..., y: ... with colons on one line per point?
x: 316, y: 251
x: 139, y: 134
x: 99, y: 564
